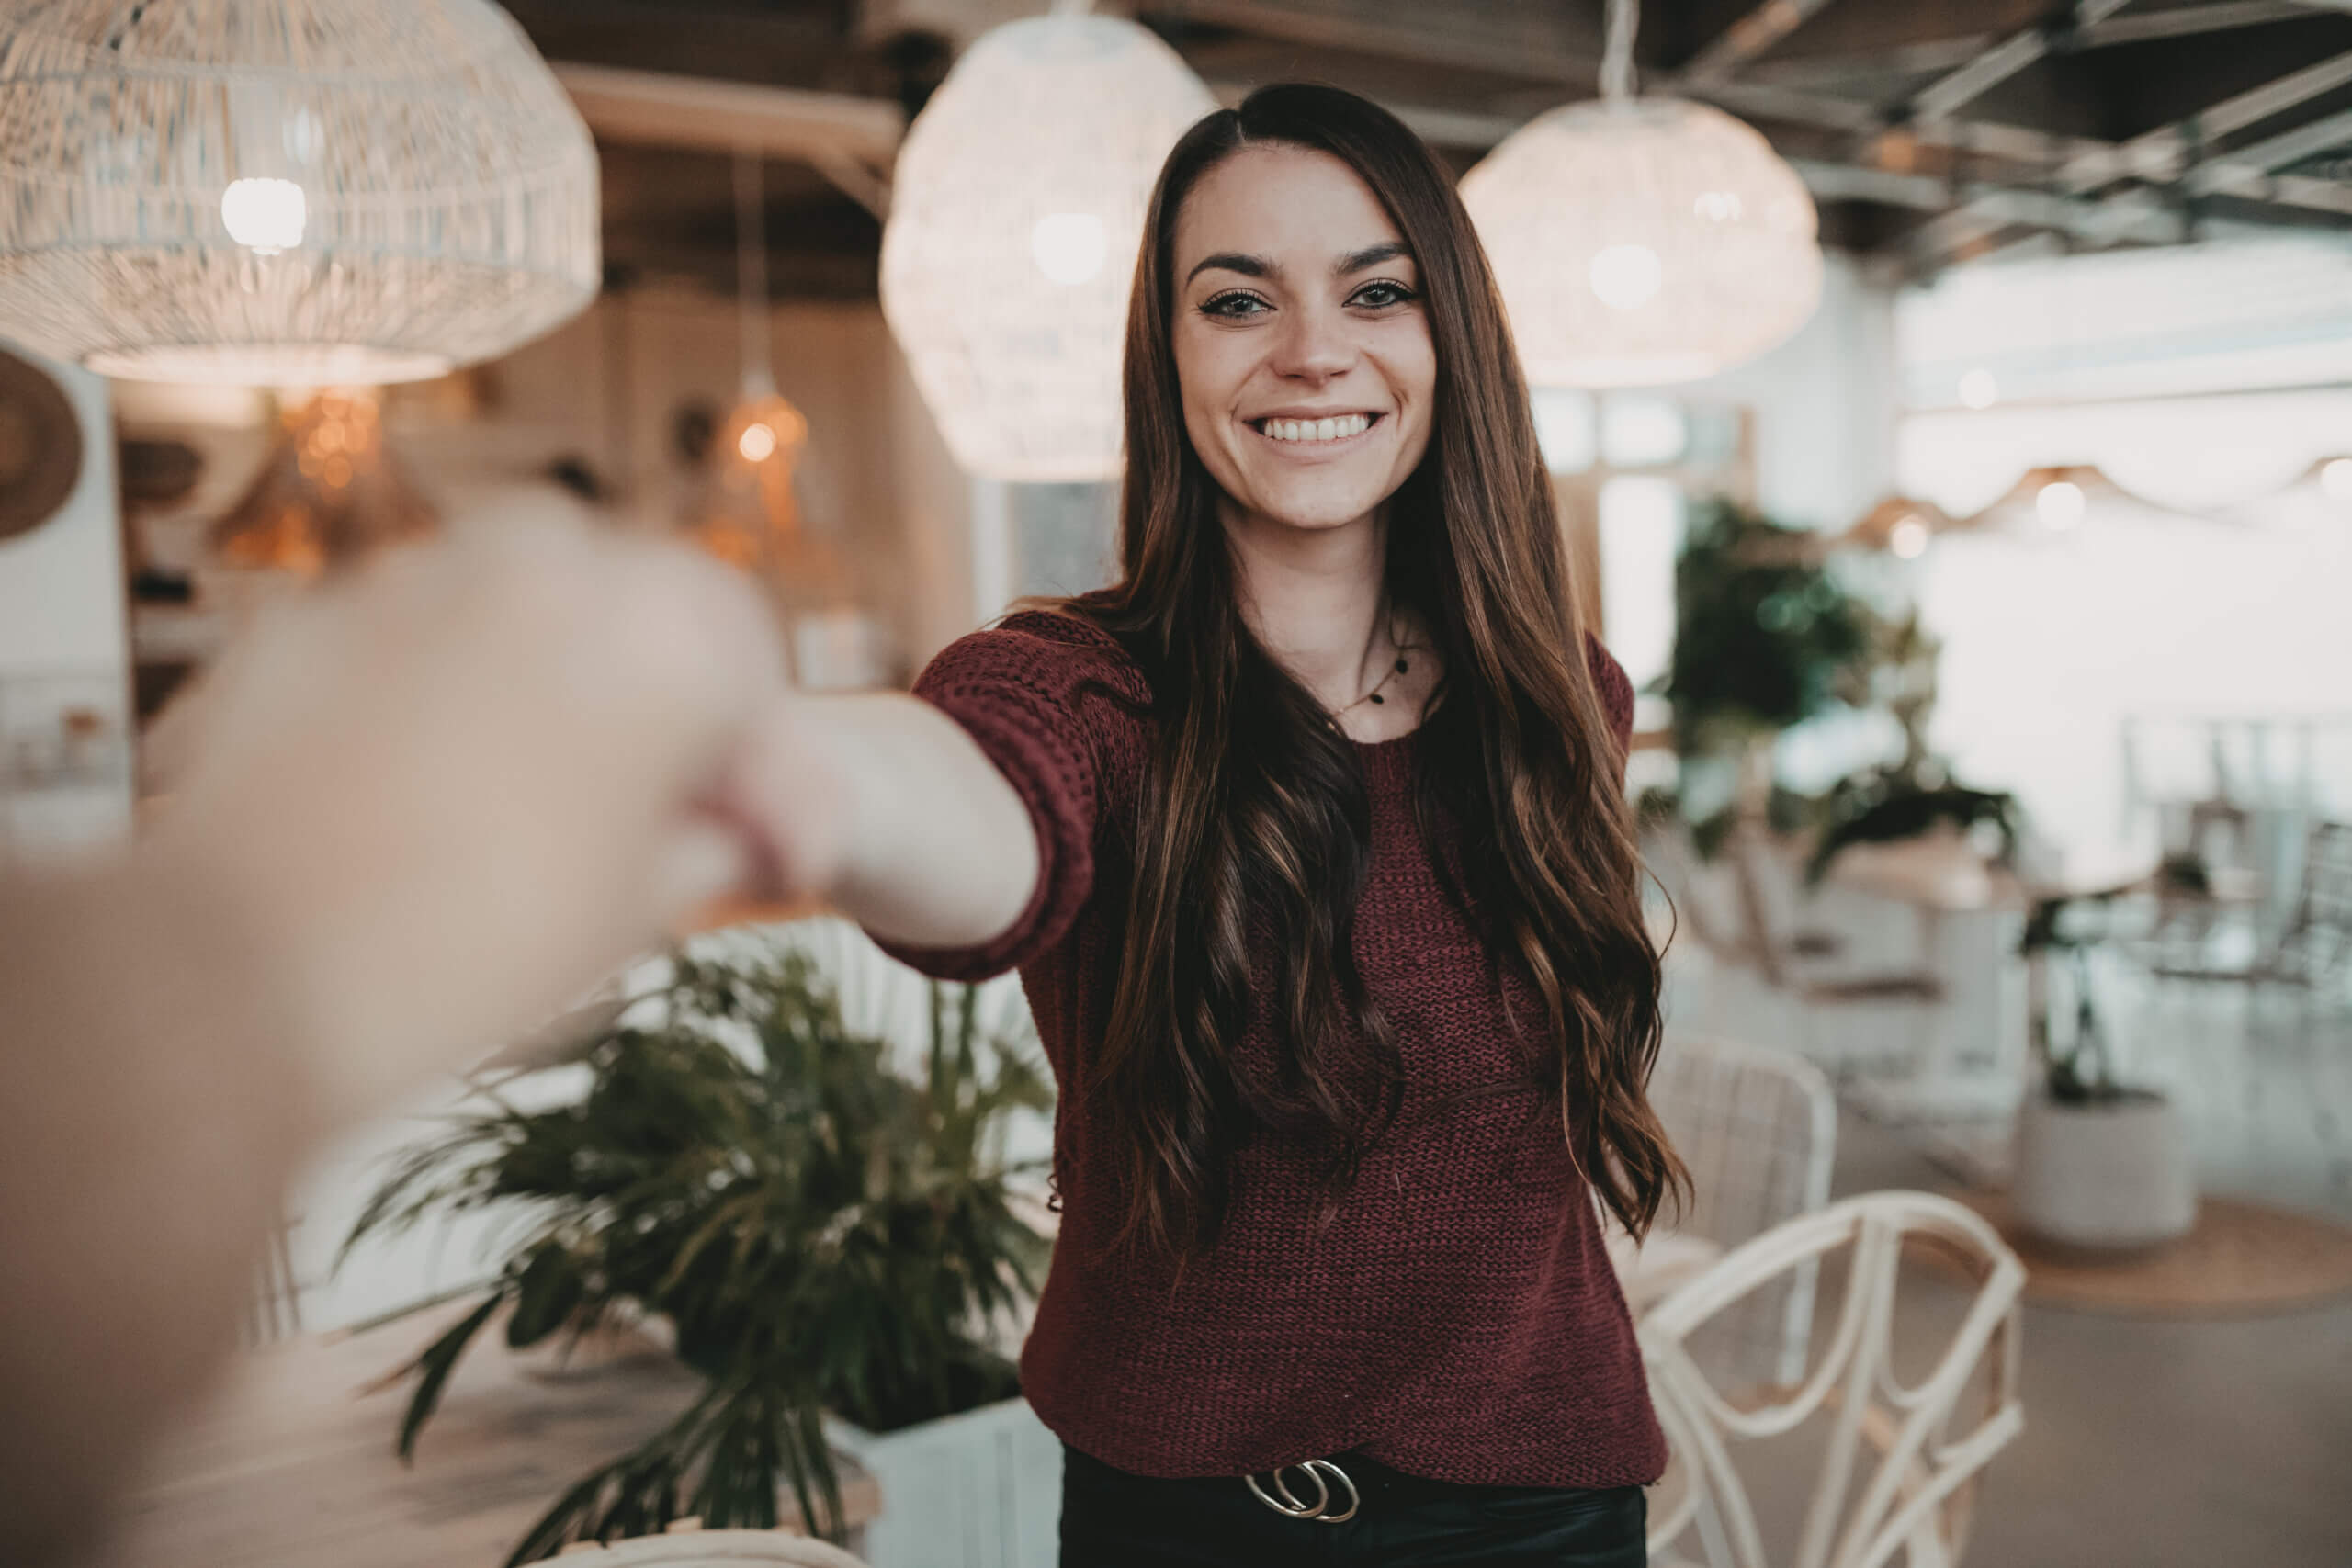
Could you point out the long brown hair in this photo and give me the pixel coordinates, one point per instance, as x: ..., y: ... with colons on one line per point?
x: 1252, y: 833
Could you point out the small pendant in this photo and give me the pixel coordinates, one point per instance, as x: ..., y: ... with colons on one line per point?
x: 1402, y: 667
x: 1378, y: 698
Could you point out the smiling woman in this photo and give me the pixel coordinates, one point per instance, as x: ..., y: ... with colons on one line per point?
x: 1314, y: 326
x: 1327, y: 905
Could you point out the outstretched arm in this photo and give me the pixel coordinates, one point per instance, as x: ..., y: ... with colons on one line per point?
x: 889, y: 810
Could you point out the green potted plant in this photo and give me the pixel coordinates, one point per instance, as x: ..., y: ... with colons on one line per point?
x: 828, y: 1238
x: 1764, y: 633
x: 2098, y: 1163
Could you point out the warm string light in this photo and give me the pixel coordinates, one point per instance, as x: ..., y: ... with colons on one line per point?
x: 2060, y: 504
x: 328, y: 492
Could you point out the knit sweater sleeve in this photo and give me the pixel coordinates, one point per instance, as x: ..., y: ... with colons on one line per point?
x: 1054, y: 703
x: 1616, y: 691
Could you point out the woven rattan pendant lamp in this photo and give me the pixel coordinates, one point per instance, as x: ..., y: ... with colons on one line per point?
x: 285, y: 192
x: 1640, y: 241
x: 1015, y: 216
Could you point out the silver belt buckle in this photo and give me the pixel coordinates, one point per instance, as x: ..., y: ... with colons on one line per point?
x: 1282, y: 1503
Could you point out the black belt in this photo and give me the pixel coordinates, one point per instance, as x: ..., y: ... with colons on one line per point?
x: 1332, y: 1491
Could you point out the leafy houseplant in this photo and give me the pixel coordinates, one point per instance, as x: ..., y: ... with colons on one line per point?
x: 1764, y: 634
x: 1881, y: 806
x: 825, y: 1233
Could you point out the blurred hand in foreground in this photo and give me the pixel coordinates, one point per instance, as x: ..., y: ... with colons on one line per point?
x: 448, y: 794
x: 423, y: 807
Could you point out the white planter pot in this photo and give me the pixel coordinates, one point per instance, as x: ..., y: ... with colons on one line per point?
x: 979, y: 1490
x: 2108, y: 1173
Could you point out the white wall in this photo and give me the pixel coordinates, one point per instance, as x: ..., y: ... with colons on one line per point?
x: 2050, y: 642
x: 2226, y: 317
x: 1826, y: 404
x: 62, y: 641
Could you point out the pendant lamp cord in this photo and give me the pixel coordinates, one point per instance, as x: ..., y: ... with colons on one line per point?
x: 751, y: 276
x: 1617, y: 50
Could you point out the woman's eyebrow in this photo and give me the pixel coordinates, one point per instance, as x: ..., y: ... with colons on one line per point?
x: 1370, y: 255
x: 1234, y: 261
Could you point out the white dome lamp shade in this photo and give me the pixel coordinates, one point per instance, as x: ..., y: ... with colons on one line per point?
x: 1643, y: 242
x: 1016, y: 213
x: 286, y: 192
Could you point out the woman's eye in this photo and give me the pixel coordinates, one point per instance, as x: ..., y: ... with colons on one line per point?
x: 1233, y: 305
x: 1380, y: 295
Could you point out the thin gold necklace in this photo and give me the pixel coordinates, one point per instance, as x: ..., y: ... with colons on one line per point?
x: 1401, y: 666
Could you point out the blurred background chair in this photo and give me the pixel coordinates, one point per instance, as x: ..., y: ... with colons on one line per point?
x: 274, y: 1311
x: 1758, y: 1126
x: 1781, y: 971
x: 2308, y: 954
x: 1930, y: 1439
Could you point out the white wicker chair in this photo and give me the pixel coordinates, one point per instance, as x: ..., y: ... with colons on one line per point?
x: 692, y: 1548
x: 1758, y: 1126
x: 1915, y: 1499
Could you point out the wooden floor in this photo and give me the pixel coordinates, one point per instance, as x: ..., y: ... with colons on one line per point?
x: 2169, y: 1443
x: 2149, y: 1443
x: 292, y: 1465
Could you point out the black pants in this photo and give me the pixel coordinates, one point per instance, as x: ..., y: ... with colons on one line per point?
x: 1113, y: 1519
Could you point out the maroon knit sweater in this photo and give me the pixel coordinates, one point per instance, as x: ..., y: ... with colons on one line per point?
x: 1459, y: 1319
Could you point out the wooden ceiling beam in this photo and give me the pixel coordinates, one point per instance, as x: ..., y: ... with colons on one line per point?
x: 2189, y: 21
x: 1751, y: 36
x: 654, y: 108
x: 2288, y: 147
x: 1946, y: 95
x: 1538, y: 52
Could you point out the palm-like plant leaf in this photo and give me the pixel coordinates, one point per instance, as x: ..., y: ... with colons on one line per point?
x: 822, y: 1232
x: 433, y: 1368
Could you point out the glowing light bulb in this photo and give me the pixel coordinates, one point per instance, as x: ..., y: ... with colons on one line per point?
x: 1068, y: 247
x: 265, y: 216
x: 1908, y: 538
x: 1978, y: 390
x: 757, y: 443
x: 1627, y: 278
x: 2335, y: 479
x: 2060, y: 504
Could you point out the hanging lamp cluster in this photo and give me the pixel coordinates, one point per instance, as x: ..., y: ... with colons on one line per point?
x: 285, y: 192
x: 1644, y: 240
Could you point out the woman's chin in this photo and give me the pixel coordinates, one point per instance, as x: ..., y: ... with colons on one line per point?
x: 1312, y: 514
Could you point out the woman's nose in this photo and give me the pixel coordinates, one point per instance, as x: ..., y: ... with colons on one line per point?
x: 1315, y: 346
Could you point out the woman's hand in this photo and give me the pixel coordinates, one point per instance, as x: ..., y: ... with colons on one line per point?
x: 881, y: 807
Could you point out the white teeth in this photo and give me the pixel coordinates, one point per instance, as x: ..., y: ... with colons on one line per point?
x: 1337, y: 429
